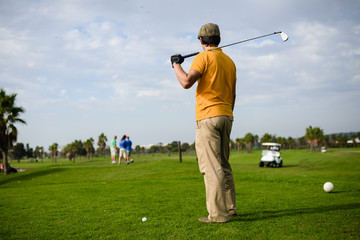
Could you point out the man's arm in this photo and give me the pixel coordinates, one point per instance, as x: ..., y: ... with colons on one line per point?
x: 186, y: 80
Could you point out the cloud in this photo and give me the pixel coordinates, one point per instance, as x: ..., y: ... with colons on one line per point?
x: 148, y: 93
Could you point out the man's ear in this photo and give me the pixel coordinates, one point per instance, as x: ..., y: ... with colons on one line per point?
x: 201, y: 41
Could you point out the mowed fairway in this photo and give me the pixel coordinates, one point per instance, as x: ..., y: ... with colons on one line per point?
x: 92, y: 199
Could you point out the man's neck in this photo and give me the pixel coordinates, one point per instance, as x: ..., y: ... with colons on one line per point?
x: 207, y: 47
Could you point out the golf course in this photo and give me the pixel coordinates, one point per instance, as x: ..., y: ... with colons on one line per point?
x: 94, y: 199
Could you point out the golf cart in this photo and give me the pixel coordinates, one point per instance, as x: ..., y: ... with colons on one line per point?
x: 270, y: 156
x: 323, y: 149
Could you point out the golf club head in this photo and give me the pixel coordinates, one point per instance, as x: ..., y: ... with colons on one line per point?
x: 284, y: 37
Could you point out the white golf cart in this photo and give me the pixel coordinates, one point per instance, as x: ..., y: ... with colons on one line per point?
x: 270, y: 155
x: 323, y: 149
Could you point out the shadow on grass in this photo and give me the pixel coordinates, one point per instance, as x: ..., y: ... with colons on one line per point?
x: 290, y: 166
x: 263, y: 215
x: 23, y: 176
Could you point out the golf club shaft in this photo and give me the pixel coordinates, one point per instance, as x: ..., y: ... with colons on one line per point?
x: 191, y: 54
x: 250, y: 39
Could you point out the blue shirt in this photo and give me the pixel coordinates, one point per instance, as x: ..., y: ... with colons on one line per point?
x: 122, y: 144
x: 128, y: 144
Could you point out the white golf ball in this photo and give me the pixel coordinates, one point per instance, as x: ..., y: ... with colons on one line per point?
x: 144, y: 219
x: 328, y: 187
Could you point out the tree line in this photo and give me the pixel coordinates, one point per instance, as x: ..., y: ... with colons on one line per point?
x: 78, y: 149
x: 314, y: 138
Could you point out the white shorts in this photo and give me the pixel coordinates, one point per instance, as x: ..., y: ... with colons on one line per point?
x: 123, y: 153
x: 113, y: 151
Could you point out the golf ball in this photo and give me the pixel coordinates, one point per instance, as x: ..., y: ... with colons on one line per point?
x: 328, y: 187
x: 144, y: 219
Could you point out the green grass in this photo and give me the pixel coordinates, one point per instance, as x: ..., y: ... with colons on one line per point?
x: 97, y: 200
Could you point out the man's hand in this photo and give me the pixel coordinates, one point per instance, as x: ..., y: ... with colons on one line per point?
x: 177, y: 58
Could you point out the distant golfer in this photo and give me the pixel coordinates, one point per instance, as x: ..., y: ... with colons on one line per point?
x: 113, y: 150
x: 122, y: 151
x: 128, y: 149
x: 215, y: 74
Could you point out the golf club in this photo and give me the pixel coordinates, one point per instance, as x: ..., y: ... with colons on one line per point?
x: 284, y: 37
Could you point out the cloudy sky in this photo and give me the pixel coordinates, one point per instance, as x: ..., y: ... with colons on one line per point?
x: 81, y: 67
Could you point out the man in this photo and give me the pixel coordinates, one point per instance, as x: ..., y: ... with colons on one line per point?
x: 215, y: 74
x: 128, y: 149
x: 113, y: 150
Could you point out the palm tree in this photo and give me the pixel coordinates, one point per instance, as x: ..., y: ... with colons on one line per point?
x: 53, y: 151
x: 102, y: 142
x: 67, y: 151
x: 71, y: 149
x: 41, y: 152
x: 256, y: 137
x: 38, y: 152
x: 314, y: 136
x: 301, y: 142
x: 239, y: 142
x: 137, y: 148
x: 342, y: 140
x: 249, y: 141
x: 282, y: 141
x: 326, y: 140
x: 291, y: 142
x: 74, y: 149
x: 9, y: 116
x: 19, y: 151
x: 353, y: 138
x: 333, y: 140
x: 88, y: 144
x: 266, y: 138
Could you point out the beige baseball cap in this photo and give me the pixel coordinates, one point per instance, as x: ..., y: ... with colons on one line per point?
x: 209, y: 30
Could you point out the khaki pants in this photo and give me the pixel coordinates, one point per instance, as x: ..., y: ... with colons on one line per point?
x: 212, y: 148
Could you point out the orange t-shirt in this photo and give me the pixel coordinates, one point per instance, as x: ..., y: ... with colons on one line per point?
x: 215, y: 93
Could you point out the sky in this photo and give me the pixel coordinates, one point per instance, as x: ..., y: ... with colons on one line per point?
x: 81, y: 67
